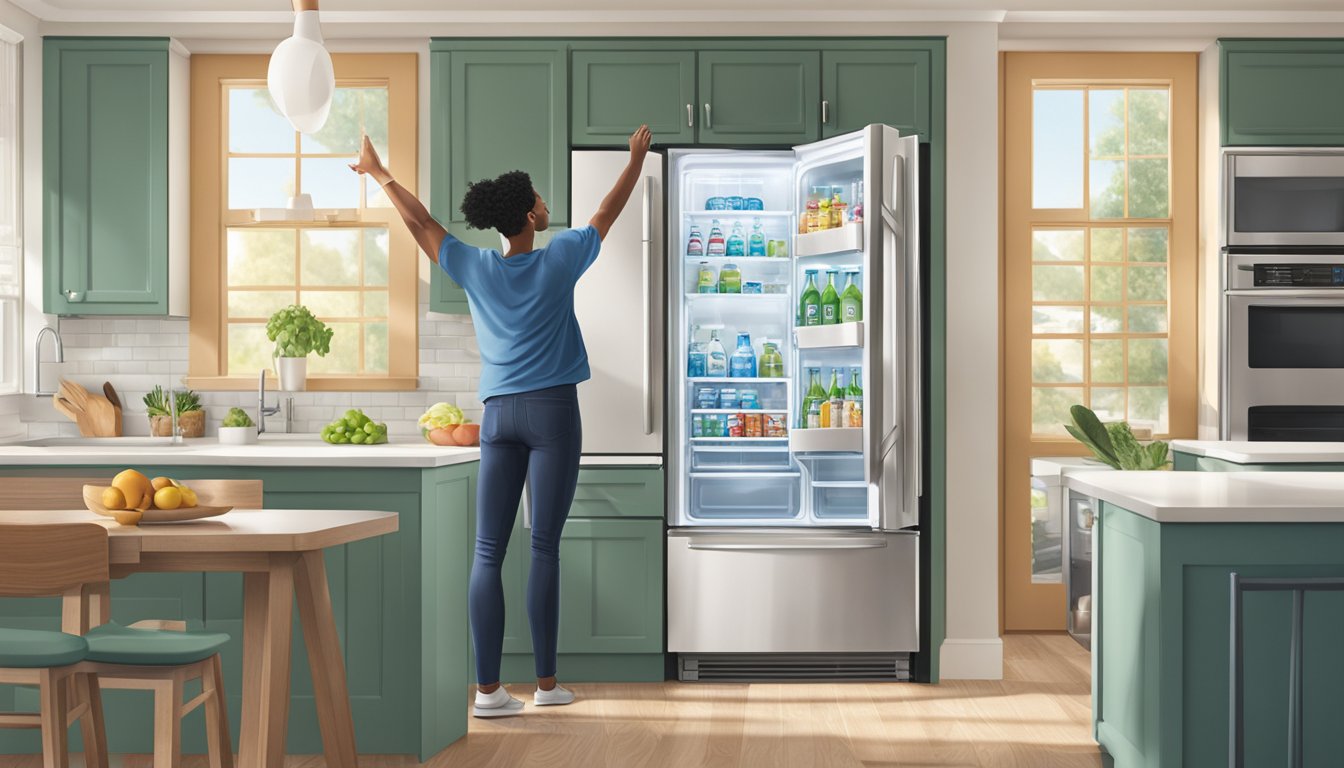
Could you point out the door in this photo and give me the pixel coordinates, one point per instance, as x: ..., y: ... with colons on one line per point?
x: 612, y: 589
x: 860, y: 88
x: 759, y: 97
x: 106, y: 177
x: 618, y: 302
x: 617, y: 91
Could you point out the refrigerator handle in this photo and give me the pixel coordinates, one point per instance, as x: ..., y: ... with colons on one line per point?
x: 649, y: 195
x: 743, y: 546
x: 690, y: 115
x: 914, y: 344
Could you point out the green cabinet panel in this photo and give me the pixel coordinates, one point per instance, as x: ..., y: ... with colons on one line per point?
x: 1282, y: 92
x: 759, y: 97
x: 617, y: 91
x: 622, y: 492
x: 105, y: 176
x: 859, y: 88
x: 611, y: 589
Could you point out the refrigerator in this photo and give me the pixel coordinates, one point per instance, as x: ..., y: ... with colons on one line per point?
x: 793, y: 553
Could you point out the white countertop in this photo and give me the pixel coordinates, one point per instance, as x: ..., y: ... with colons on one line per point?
x: 1220, y: 497
x: 1245, y: 452
x: 271, y: 451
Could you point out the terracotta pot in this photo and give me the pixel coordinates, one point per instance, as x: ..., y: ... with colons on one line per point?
x: 191, y: 424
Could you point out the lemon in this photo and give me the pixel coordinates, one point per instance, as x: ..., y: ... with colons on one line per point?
x: 161, y: 482
x: 113, y: 498
x: 168, y: 498
x: 188, y: 496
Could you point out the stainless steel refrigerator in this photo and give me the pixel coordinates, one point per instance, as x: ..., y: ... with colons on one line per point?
x: 792, y: 551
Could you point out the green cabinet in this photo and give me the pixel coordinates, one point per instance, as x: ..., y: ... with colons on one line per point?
x: 759, y: 97
x: 105, y: 176
x: 1282, y: 92
x: 615, y: 92
x: 859, y: 88
x: 495, y: 110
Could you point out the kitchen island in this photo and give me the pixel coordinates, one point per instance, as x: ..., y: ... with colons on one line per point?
x: 399, y: 600
x: 1246, y: 456
x: 1165, y: 545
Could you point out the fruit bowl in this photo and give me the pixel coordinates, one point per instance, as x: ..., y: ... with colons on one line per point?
x: 464, y: 435
x: 93, y: 495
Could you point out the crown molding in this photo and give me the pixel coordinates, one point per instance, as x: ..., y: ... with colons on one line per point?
x: 1174, y: 17
x: 10, y: 36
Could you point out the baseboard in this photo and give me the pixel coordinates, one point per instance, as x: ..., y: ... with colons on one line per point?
x: 588, y: 668
x: 971, y: 659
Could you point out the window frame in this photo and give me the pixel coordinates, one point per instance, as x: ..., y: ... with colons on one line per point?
x: 11, y: 127
x: 210, y: 220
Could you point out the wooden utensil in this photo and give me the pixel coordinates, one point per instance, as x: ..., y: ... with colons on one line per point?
x: 102, y: 416
x: 75, y: 414
x: 76, y: 394
x: 111, y: 394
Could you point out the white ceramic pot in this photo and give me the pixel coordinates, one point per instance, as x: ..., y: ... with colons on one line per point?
x: 237, y: 435
x: 293, y: 373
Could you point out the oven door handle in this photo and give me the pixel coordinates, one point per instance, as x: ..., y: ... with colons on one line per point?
x: 1281, y: 293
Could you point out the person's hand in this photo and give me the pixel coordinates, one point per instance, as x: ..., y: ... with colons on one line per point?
x: 639, y: 142
x: 370, y: 163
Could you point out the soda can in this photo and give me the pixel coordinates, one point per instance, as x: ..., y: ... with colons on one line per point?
x: 751, y: 399
x: 706, y: 397
x: 735, y: 425
x: 777, y: 249
x: 728, y: 398
x: 736, y: 202
x: 754, y: 425
x: 716, y: 204
x: 755, y: 204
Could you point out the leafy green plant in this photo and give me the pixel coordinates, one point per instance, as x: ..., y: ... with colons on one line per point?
x: 237, y: 417
x: 1114, y: 444
x: 156, y: 402
x: 296, y: 333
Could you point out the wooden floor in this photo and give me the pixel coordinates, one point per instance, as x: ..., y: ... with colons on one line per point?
x: 1038, y: 716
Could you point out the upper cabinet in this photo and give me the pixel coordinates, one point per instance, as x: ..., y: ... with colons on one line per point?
x: 615, y: 92
x: 759, y: 97
x: 1282, y: 92
x: 859, y: 88
x: 114, y: 206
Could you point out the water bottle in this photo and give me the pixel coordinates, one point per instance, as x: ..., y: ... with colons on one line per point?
x: 695, y: 243
x: 696, y: 356
x: 716, y: 357
x: 715, y: 245
x: 737, y: 242
x: 744, y: 358
x: 756, y: 245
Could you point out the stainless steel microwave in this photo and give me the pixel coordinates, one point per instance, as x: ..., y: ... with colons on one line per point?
x: 1283, y: 197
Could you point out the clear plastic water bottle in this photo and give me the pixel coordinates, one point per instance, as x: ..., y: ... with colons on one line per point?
x: 715, y: 246
x: 716, y: 357
x: 756, y: 245
x: 697, y: 358
x: 695, y: 242
x: 744, y: 358
x: 737, y: 242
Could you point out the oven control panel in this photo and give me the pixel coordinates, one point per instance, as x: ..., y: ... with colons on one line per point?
x: 1299, y: 275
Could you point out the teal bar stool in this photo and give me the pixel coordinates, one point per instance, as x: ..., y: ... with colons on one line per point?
x: 48, y: 561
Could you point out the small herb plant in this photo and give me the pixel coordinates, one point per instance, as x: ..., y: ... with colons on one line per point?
x: 237, y: 417
x: 1114, y: 444
x: 156, y: 402
x: 296, y: 333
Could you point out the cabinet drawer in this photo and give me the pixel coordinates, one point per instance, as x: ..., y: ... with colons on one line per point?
x: 618, y: 493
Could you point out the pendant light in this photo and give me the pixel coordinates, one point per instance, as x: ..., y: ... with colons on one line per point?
x: 300, y: 76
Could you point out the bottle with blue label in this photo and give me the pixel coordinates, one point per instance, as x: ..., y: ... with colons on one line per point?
x: 716, y: 357
x: 756, y: 243
x: 737, y: 242
x: 697, y: 356
x: 744, y: 358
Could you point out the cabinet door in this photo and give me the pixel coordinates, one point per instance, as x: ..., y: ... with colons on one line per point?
x: 105, y: 157
x: 617, y: 91
x: 759, y: 97
x: 859, y: 88
x: 491, y: 112
x: 1283, y: 92
x: 611, y: 586
x: 618, y: 492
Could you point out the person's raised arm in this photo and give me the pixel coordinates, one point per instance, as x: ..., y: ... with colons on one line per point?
x: 615, y: 201
x: 428, y: 232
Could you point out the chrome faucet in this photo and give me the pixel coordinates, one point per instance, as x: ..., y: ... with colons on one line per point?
x: 262, y: 410
x: 37, y: 358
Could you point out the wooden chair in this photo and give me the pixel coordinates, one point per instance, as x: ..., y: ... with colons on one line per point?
x: 45, y: 561
x: 155, y: 655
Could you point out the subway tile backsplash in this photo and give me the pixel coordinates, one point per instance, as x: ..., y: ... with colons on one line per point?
x: 135, y: 354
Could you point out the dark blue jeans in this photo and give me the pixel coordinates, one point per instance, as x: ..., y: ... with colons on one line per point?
x: 538, y: 436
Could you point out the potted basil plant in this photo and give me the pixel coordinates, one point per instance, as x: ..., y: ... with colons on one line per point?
x: 296, y: 333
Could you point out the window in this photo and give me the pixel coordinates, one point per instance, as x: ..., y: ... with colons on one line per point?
x: 11, y: 228
x: 355, y: 266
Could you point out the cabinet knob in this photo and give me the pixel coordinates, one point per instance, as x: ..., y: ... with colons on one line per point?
x: 690, y: 115
x: 708, y: 122
x: 74, y: 297
x: 825, y: 112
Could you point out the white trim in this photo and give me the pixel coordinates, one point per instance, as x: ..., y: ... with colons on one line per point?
x: 1173, y: 17
x: 1098, y: 44
x: 971, y: 659
x: 10, y: 36
x: 176, y: 46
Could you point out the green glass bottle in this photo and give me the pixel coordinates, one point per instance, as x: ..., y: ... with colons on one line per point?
x: 830, y: 300
x: 851, y: 301
x: 854, y: 399
x: 815, y: 394
x: 809, y: 308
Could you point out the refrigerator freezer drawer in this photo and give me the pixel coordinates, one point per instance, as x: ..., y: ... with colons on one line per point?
x: 782, y: 592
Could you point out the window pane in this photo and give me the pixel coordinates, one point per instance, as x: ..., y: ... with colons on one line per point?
x: 249, y: 349
x: 330, y: 257
x: 1057, y: 245
x: 354, y: 112
x: 1057, y: 283
x: 1108, y: 244
x: 255, y: 125
x: 344, y: 355
x: 258, y: 304
x: 1107, y: 188
x: 331, y: 182
x: 1148, y: 244
x: 1108, y: 361
x: 1106, y: 123
x: 375, y: 256
x: 1148, y: 183
x: 1108, y: 319
x: 1057, y: 149
x: 1108, y: 403
x: 1050, y: 408
x: 1056, y: 361
x: 1147, y: 361
x: 1106, y: 283
x: 375, y: 304
x: 328, y: 304
x: 374, y: 195
x: 1148, y: 318
x: 1148, y: 122
x: 1148, y: 407
x: 375, y: 348
x: 1148, y: 283
x: 1056, y: 319
x: 260, y: 182
x: 261, y: 257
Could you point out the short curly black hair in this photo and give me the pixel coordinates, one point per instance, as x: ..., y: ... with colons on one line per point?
x: 502, y: 203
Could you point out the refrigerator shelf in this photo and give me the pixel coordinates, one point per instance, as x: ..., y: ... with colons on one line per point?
x: 730, y: 411
x: 829, y: 241
x: 827, y: 440
x: 736, y: 214
x: 839, y: 484
x: 781, y: 260
x: 829, y: 336
x: 736, y: 296
x: 739, y: 440
x: 735, y: 380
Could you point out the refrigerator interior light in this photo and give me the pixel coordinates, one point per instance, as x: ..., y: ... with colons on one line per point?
x: 300, y: 75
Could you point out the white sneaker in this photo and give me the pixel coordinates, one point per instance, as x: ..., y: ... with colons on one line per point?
x: 497, y: 703
x: 555, y: 697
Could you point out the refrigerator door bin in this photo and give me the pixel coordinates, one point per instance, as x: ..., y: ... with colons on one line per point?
x: 833, y: 468
x: 836, y: 501
x: 741, y: 591
x: 724, y: 458
x: 825, y: 336
x: 839, y: 439
x: 717, y: 497
x: 828, y: 241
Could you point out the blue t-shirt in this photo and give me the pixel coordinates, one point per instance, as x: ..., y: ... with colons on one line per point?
x: 523, y: 310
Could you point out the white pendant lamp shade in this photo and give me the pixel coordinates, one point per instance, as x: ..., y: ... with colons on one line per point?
x: 300, y: 76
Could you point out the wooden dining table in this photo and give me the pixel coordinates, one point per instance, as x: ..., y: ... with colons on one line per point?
x: 279, y: 553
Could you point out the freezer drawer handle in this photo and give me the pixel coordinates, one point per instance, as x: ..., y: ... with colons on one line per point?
x: 761, y: 547
x: 649, y: 194
x: 690, y: 115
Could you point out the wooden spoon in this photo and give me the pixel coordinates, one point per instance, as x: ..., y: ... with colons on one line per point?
x: 111, y: 394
